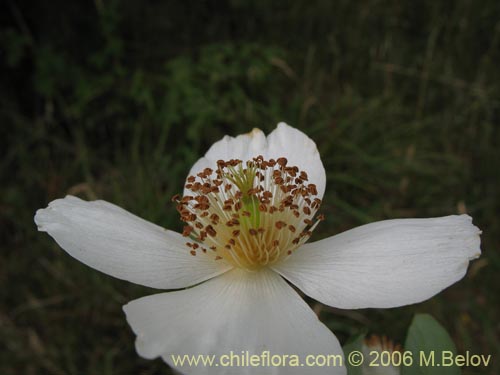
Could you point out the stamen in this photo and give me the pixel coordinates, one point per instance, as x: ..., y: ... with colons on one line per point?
x: 250, y: 214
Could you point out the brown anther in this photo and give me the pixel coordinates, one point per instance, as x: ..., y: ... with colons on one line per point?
x: 232, y: 242
x: 262, y: 207
x: 202, y: 206
x: 316, y: 203
x: 238, y: 205
x: 210, y: 231
x: 193, y: 253
x: 261, y: 230
x: 276, y: 243
x: 311, y: 188
x: 292, y: 228
x: 198, y: 225
x: 176, y: 198
x: 253, y: 191
x: 321, y: 217
x: 195, y: 246
x: 289, y: 252
x: 191, y: 179
x: 280, y: 224
x: 187, y: 230
x: 218, y: 257
x: 246, y: 213
x: 201, y: 199
x: 186, y: 199
x: 282, y: 162
x: 292, y: 171
x: 308, y: 221
x: 236, y: 233
x: 288, y: 201
x: 296, y: 240
x: 206, y: 188
x: 306, y: 210
x: 252, y: 232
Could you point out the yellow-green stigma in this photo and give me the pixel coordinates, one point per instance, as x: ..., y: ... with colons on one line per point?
x: 251, y: 214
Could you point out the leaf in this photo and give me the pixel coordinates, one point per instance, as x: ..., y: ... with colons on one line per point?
x: 432, y: 348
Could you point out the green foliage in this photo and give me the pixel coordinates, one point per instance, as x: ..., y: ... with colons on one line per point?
x: 422, y: 354
x: 428, y: 340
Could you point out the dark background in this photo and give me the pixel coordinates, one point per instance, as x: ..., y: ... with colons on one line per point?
x: 116, y: 100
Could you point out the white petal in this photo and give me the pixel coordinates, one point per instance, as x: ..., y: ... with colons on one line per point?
x: 284, y: 141
x: 300, y: 150
x: 237, y: 312
x: 385, y: 264
x: 116, y: 242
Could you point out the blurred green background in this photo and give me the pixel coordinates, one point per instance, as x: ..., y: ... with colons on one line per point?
x: 116, y: 100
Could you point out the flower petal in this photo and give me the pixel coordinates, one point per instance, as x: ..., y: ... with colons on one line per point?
x: 385, y: 264
x: 240, y: 311
x: 284, y: 141
x: 300, y: 150
x: 116, y: 242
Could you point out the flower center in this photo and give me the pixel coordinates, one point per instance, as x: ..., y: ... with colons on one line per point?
x: 251, y: 214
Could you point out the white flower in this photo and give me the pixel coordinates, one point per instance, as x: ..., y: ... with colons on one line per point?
x: 250, y: 206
